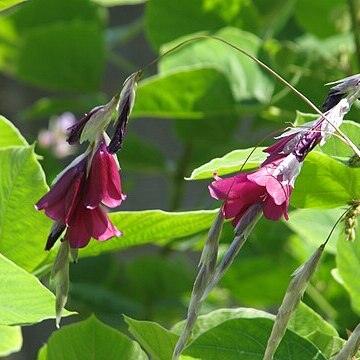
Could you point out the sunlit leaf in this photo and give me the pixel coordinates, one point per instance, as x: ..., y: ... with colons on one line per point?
x: 307, y: 323
x: 217, y: 317
x: 325, y: 183
x: 10, y: 135
x: 230, y: 163
x: 158, y: 342
x: 335, y: 147
x: 23, y: 230
x: 314, y: 226
x: 91, y: 339
x: 187, y: 17
x: 118, y: 2
x: 23, y: 300
x: 246, y: 78
x: 185, y: 94
x: 348, y: 263
x: 246, y: 339
x: 141, y: 227
x: 5, y: 4
x: 11, y: 339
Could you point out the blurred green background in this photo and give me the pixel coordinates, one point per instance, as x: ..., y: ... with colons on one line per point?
x: 65, y: 57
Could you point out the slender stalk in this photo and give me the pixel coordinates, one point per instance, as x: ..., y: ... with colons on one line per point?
x: 354, y: 10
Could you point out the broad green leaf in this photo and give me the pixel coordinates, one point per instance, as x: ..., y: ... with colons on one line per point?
x: 42, y: 354
x: 314, y: 226
x: 11, y: 339
x: 158, y: 342
x: 118, y: 2
x: 246, y: 339
x: 185, y: 94
x: 323, y: 17
x: 91, y: 339
x: 141, y: 227
x: 325, y: 183
x: 245, y: 77
x: 10, y: 135
x: 230, y: 163
x: 335, y: 147
x: 214, y: 318
x: 187, y: 17
x: 348, y: 264
x: 66, y: 35
x: 23, y: 300
x: 199, y: 94
x: 5, y: 4
x: 307, y: 323
x: 38, y: 13
x: 79, y: 71
x: 23, y: 230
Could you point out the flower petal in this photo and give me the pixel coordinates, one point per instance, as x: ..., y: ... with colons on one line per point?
x: 271, y: 210
x: 103, y: 183
x: 64, y: 195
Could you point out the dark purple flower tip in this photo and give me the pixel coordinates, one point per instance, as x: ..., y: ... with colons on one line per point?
x: 120, y: 128
x: 56, y: 230
x: 126, y: 103
x: 74, y: 132
x: 103, y: 183
x: 332, y: 99
x: 87, y: 223
x: 341, y: 88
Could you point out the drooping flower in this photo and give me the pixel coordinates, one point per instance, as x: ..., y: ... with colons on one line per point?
x: 76, y: 198
x: 272, y: 184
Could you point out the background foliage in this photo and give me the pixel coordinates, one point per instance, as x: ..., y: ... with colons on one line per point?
x: 197, y: 111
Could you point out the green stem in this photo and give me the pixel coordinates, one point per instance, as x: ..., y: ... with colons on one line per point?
x: 354, y: 10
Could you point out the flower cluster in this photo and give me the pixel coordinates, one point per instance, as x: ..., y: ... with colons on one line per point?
x: 271, y: 185
x: 76, y: 198
x: 78, y: 195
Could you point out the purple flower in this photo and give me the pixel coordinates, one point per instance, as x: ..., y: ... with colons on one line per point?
x: 271, y: 185
x: 75, y: 200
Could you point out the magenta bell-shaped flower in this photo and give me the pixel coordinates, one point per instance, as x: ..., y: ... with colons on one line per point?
x: 272, y: 184
x: 76, y: 198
